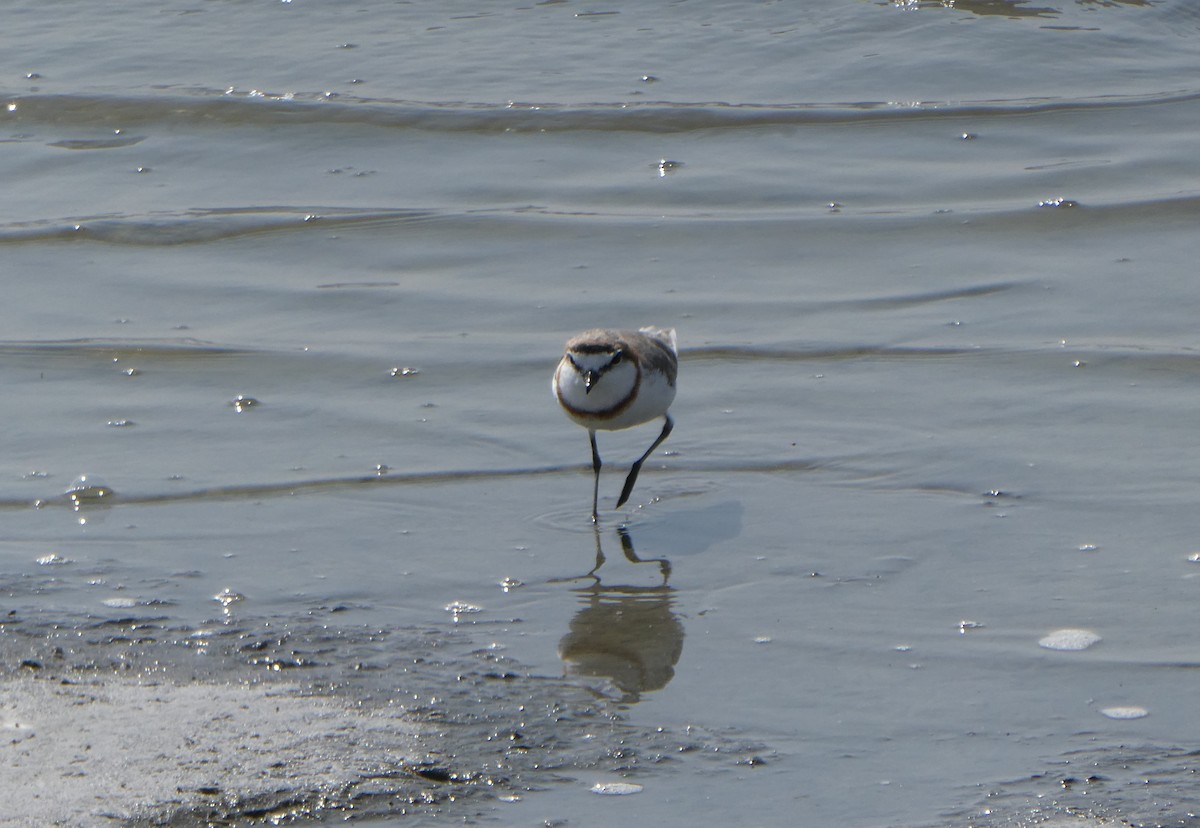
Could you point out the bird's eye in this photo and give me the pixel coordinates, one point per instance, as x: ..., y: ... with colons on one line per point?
x: 617, y: 357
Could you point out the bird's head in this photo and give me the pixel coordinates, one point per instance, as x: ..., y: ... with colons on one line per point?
x: 593, y: 362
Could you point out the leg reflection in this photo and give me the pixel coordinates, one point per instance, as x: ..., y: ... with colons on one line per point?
x: 628, y: 635
x: 664, y: 565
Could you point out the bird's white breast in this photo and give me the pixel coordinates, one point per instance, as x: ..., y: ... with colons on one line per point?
x: 655, y: 396
x: 617, y: 399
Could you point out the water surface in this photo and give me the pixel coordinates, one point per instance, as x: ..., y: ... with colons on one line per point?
x: 932, y: 272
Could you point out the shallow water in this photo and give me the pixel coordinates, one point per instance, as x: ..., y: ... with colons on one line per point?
x: 932, y: 272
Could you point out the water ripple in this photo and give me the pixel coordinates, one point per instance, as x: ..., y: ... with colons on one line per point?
x: 200, y: 226
x: 212, y: 107
x: 422, y: 478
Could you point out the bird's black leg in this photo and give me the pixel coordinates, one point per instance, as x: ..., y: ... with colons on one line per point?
x: 596, y: 472
x: 637, y: 467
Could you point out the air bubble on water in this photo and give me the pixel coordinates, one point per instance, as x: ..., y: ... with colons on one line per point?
x: 460, y: 608
x: 1069, y: 639
x: 243, y: 403
x: 400, y: 372
x: 1194, y: 557
x: 965, y: 625
x: 1088, y: 547
x: 87, y: 491
x: 53, y: 559
x: 227, y: 598
x: 509, y: 584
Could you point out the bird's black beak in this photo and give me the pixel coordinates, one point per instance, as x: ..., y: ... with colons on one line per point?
x: 589, y: 379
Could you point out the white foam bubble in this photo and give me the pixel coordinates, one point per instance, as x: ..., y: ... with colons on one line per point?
x: 119, y: 603
x: 1069, y: 639
x: 1125, y: 712
x: 616, y: 788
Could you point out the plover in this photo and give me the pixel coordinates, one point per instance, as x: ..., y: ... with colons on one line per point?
x: 609, y: 380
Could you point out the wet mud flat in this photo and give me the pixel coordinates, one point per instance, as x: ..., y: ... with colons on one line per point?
x: 89, y: 749
x: 124, y: 722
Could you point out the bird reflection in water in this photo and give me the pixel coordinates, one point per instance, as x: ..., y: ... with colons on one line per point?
x: 626, y: 634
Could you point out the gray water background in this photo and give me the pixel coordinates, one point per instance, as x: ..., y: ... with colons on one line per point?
x: 933, y: 269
